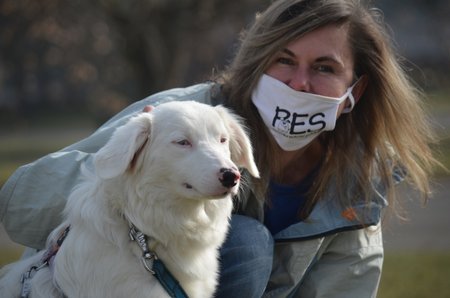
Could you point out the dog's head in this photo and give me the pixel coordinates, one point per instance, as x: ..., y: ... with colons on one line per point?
x: 192, y: 148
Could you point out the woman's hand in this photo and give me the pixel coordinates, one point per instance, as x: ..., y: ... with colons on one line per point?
x: 148, y: 109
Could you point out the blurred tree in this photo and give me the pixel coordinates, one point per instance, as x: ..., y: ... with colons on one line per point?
x: 101, y: 55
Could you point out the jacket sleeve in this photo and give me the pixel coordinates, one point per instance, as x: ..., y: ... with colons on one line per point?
x: 349, y: 266
x: 32, y: 200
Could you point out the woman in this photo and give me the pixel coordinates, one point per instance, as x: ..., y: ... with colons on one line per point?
x: 335, y: 123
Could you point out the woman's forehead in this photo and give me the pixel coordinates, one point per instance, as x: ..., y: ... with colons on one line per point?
x: 325, y: 43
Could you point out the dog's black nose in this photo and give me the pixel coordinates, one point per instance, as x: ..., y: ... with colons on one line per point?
x: 229, y: 177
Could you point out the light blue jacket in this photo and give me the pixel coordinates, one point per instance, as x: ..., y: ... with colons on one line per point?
x: 331, y: 254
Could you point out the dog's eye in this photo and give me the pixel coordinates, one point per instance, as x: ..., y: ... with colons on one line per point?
x: 184, y: 143
x: 223, y: 140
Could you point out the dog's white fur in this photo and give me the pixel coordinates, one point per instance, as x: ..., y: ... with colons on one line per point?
x: 160, y: 171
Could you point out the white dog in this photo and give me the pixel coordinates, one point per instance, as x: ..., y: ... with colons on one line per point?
x: 168, y: 178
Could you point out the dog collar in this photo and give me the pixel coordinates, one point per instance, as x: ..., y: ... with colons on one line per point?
x: 157, y: 268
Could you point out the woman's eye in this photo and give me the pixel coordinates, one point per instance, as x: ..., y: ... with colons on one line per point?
x: 285, y: 61
x: 325, y: 68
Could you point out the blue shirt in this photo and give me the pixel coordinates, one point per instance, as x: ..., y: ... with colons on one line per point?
x: 286, y: 203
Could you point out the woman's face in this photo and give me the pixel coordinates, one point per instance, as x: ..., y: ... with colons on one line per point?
x: 319, y: 62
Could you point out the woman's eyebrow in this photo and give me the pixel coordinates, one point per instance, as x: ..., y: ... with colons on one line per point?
x: 288, y: 52
x: 330, y: 59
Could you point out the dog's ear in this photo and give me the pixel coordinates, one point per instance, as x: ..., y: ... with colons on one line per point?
x: 122, y: 150
x: 240, y: 145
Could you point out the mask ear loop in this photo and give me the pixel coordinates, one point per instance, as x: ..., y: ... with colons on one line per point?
x: 351, y: 98
x: 352, y: 103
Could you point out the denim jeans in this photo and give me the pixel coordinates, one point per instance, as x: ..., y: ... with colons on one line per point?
x: 245, y: 259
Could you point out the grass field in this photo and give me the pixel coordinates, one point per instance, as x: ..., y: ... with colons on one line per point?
x: 416, y: 275
x: 412, y: 274
x: 8, y: 255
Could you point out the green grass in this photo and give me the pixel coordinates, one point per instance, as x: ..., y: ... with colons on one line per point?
x: 9, y: 255
x: 442, y: 153
x: 416, y: 275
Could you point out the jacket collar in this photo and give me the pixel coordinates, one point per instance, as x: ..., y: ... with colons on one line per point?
x: 327, y: 216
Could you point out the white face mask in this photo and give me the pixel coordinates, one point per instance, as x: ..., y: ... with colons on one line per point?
x: 295, y: 118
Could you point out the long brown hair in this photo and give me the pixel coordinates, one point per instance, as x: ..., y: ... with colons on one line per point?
x: 387, y: 129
